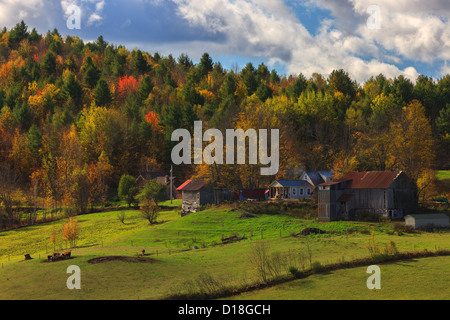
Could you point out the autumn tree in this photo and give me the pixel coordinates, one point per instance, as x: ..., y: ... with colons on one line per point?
x: 80, y: 190
x: 71, y: 232
x: 412, y: 141
x: 150, y: 210
x: 53, y: 238
x: 99, y: 176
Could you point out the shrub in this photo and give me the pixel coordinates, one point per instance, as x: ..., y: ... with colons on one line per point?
x: 293, y: 271
x: 150, y: 210
x: 317, y: 267
x: 258, y: 256
x: 121, y: 216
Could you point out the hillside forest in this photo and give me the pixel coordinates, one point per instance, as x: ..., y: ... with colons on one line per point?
x: 76, y: 116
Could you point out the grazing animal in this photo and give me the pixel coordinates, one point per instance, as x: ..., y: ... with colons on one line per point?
x: 67, y: 255
x: 49, y: 258
x: 143, y: 252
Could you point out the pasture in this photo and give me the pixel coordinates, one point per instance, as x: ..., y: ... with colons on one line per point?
x: 182, y: 250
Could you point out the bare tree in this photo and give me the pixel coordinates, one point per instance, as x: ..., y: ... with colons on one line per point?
x: 9, y: 182
x: 259, y: 256
x: 308, y: 246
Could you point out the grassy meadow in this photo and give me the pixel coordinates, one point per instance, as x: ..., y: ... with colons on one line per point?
x: 178, y: 268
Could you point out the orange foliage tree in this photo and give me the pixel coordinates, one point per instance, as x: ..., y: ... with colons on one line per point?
x: 127, y: 85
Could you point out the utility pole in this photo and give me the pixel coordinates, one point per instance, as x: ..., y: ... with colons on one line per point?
x: 171, y: 184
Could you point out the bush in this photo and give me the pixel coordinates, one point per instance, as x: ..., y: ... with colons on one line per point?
x: 317, y: 267
x: 150, y: 210
x: 121, y: 216
x: 293, y: 271
x: 401, y: 228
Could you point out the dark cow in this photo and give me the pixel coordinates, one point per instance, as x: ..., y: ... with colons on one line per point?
x: 66, y: 255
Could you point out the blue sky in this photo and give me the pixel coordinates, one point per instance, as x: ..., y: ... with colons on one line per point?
x: 291, y: 36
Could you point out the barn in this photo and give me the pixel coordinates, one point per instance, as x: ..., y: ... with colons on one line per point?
x: 388, y: 194
x: 418, y: 221
x: 196, y: 193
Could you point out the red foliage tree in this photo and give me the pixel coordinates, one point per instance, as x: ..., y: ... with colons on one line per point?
x: 127, y: 85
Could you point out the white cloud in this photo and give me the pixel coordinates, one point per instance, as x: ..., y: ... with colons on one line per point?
x: 264, y: 28
x: 411, y: 30
x: 414, y: 29
x: 11, y: 10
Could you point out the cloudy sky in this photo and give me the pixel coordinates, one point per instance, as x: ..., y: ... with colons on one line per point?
x: 364, y: 37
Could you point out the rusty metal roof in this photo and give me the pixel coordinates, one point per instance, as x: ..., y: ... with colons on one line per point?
x: 367, y: 179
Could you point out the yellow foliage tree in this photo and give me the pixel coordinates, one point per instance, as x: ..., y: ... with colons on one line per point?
x: 71, y: 232
x: 412, y: 141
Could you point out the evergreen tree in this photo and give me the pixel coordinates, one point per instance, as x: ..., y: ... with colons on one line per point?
x: 72, y: 89
x: 102, y: 93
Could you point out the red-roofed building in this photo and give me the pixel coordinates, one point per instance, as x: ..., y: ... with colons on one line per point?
x: 196, y: 193
x: 180, y: 189
x: 388, y: 194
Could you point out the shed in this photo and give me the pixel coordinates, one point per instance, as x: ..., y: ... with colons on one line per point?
x: 427, y: 220
x: 196, y: 193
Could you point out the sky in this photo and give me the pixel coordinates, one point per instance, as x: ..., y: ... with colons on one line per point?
x: 363, y: 37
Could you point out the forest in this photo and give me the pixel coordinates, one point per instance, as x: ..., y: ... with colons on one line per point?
x: 76, y: 116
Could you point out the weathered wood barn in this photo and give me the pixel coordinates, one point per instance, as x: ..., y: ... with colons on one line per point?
x: 196, y: 193
x: 388, y: 194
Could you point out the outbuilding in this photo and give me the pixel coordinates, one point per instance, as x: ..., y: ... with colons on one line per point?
x: 196, y: 193
x: 384, y: 193
x: 427, y: 220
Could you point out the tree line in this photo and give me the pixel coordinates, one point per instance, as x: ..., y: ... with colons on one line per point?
x: 77, y: 116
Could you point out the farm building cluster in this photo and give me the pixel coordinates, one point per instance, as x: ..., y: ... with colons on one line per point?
x: 383, y: 193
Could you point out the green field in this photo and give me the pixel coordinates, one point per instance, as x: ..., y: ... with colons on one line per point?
x: 443, y: 175
x: 177, y: 265
x: 400, y: 280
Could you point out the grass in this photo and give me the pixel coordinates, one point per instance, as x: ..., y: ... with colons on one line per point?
x: 443, y: 175
x: 419, y: 279
x: 170, y: 242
